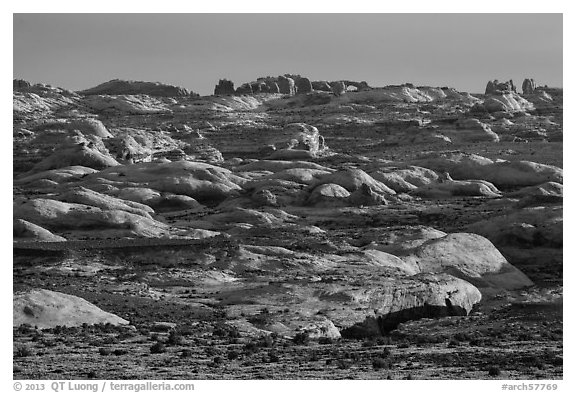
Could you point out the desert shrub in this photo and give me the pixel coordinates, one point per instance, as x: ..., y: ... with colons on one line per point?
x: 158, y: 347
x: 325, y: 340
x: 534, y: 361
x: 250, y: 347
x: 426, y: 339
x: 262, y: 319
x: 301, y: 338
x: 525, y: 336
x: 343, y: 364
x: 25, y: 329
x: 266, y: 341
x: 384, y: 340
x: 37, y: 336
x: 453, y: 343
x: 477, y: 342
x: 104, y: 351
x: 462, y: 337
x: 224, y: 330
x: 381, y: 363
x: 356, y: 332
x: 49, y: 343
x: 557, y: 361
x: 368, y: 343
x: 174, y: 338
x: 493, y: 371
x: 273, y: 357
x: 22, y: 351
x: 120, y: 352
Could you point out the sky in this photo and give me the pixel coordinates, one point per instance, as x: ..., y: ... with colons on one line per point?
x: 464, y: 51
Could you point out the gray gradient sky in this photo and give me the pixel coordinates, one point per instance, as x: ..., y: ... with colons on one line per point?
x: 78, y: 51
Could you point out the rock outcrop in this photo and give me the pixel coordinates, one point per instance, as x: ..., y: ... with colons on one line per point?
x: 303, y: 85
x: 99, y: 222
x: 26, y: 231
x: 286, y: 85
x: 500, y: 173
x: 224, y: 87
x: 20, y: 84
x: 338, y: 88
x: 528, y: 86
x: 495, y: 87
x: 124, y: 87
x: 48, y: 309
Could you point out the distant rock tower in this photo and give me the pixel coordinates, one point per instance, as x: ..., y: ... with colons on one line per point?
x: 338, y: 88
x: 528, y: 86
x: 286, y: 85
x: 246, y: 88
x: 495, y: 87
x: 224, y: 87
x: 303, y: 85
x: 20, y: 84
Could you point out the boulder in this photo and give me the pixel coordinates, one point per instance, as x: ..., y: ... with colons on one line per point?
x: 328, y: 195
x: 201, y: 181
x: 352, y: 180
x: 365, y: 196
x: 77, y: 155
x: 470, y: 257
x: 48, y: 309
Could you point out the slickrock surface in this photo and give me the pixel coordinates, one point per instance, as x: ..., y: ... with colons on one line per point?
x: 287, y: 228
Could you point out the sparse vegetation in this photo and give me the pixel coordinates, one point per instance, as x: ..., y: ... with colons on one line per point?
x: 158, y: 347
x: 22, y: 351
x: 494, y: 371
x: 301, y: 338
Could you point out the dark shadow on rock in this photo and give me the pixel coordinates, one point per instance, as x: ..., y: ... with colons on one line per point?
x: 384, y: 324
